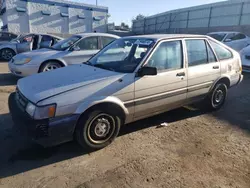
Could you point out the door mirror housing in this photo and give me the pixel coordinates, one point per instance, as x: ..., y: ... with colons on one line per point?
x: 228, y: 40
x: 147, y: 71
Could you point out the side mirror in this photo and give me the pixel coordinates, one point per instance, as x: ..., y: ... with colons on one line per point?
x: 75, y: 48
x: 147, y: 71
x: 228, y: 40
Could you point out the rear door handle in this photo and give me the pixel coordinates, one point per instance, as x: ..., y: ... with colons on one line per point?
x: 180, y: 74
x: 216, y: 67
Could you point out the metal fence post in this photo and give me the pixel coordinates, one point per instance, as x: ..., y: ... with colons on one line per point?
x: 144, y: 26
x: 241, y: 12
x: 209, y: 18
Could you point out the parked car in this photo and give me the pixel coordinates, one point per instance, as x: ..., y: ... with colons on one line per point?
x: 74, y: 50
x: 130, y: 79
x: 245, y: 58
x: 25, y: 43
x: 235, y: 40
x: 7, y: 36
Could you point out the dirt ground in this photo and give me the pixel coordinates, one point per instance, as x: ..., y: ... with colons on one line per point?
x: 197, y: 149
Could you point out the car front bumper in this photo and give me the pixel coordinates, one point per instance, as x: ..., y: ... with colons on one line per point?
x: 23, y: 70
x: 48, y: 132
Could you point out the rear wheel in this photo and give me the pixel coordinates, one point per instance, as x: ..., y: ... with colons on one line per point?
x: 7, y: 54
x: 216, y: 99
x: 97, y: 129
x: 49, y: 66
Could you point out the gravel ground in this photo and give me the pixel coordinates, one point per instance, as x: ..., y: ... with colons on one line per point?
x: 197, y: 149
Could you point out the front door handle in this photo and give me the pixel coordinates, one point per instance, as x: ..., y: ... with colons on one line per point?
x: 216, y: 67
x: 180, y: 74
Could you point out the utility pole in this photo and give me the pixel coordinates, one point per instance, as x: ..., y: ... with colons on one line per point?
x: 96, y: 2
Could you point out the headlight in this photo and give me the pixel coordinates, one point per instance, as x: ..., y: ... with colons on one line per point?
x: 21, y: 61
x: 41, y: 112
x: 30, y: 109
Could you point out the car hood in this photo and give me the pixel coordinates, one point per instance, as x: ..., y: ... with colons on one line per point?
x: 44, y: 85
x: 40, y: 53
x: 4, y: 42
x: 7, y: 43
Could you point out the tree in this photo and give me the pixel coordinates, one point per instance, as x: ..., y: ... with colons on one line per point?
x: 138, y: 17
x: 124, y: 26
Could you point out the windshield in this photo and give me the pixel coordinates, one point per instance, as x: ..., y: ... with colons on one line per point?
x: 18, y: 38
x: 123, y: 55
x: 218, y: 36
x: 65, y: 44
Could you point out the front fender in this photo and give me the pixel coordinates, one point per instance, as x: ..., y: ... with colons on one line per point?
x: 95, y: 101
x: 10, y: 46
x: 55, y: 59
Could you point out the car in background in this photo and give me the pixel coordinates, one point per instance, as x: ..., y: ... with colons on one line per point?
x: 245, y: 58
x: 25, y: 43
x: 7, y: 36
x: 130, y: 79
x: 235, y: 40
x: 74, y: 50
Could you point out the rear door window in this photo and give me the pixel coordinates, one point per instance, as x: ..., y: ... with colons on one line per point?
x: 239, y: 36
x: 107, y: 40
x: 197, y: 52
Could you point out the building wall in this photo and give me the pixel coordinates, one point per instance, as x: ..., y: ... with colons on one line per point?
x: 228, y: 15
x: 58, y: 17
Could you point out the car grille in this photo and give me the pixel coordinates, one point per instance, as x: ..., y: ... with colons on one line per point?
x: 22, y: 101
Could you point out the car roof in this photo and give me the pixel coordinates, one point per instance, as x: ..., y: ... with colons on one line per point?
x: 96, y: 34
x: 55, y: 36
x: 223, y: 32
x: 166, y: 36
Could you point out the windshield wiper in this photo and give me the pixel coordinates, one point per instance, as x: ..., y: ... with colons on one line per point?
x: 87, y: 63
x: 103, y: 67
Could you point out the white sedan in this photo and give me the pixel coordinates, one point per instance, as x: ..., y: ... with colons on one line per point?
x: 245, y: 58
x: 75, y: 50
x: 235, y: 40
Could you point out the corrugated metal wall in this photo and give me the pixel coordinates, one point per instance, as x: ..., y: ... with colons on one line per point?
x: 228, y: 15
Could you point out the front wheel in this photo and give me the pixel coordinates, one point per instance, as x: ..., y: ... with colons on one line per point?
x: 49, y: 66
x: 217, y: 97
x: 97, y: 129
x: 7, y: 54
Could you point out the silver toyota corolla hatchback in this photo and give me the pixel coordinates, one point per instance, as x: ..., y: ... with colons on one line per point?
x: 74, y: 50
x: 130, y: 79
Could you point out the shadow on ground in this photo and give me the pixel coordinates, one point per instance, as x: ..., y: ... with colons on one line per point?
x: 236, y: 112
x: 36, y: 156
x: 7, y: 79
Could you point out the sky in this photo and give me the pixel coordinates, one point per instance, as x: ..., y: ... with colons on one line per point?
x: 125, y: 10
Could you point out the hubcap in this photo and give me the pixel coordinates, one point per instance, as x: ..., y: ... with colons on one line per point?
x: 7, y: 54
x: 218, y: 96
x: 50, y: 67
x: 101, y: 128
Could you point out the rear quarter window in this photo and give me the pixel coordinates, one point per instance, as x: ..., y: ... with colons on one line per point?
x: 221, y: 52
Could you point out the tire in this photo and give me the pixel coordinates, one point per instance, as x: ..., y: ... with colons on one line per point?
x: 7, y: 54
x: 49, y: 66
x: 216, y: 99
x: 92, y: 135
